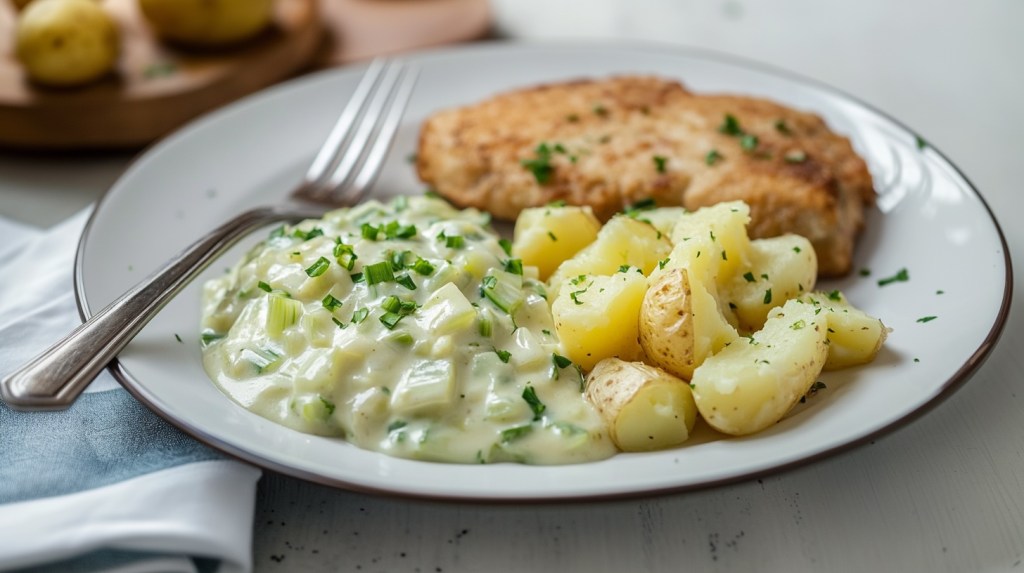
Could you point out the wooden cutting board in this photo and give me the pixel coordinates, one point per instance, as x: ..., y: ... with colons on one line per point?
x: 157, y: 88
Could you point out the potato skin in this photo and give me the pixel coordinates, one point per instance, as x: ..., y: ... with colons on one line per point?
x: 666, y: 324
x: 65, y: 43
x: 644, y: 407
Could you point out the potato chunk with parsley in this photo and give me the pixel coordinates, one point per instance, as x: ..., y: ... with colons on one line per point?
x: 597, y: 316
x: 547, y: 236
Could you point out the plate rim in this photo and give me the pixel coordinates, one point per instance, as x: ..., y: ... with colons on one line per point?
x: 954, y: 382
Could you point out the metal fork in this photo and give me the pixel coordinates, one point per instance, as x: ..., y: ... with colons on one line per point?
x: 341, y: 174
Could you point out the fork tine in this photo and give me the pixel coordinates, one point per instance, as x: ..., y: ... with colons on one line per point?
x: 371, y: 166
x: 343, y: 127
x: 349, y: 162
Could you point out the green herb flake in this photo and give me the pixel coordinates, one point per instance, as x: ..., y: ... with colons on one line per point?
x: 538, y: 407
x: 924, y: 319
x: 390, y: 319
x: 901, y: 276
x: 713, y: 157
x: 624, y: 268
x: 396, y: 425
x: 328, y: 405
x: 796, y: 250
x: 663, y: 262
x: 208, y: 337
x: 748, y: 142
x: 835, y: 295
x: 264, y: 286
x: 360, y: 315
x: 423, y: 267
x: 552, y: 236
x: 506, y: 245
x: 781, y: 127
x: 798, y: 325
x: 540, y: 165
x: 515, y: 433
x: 600, y: 111
x: 406, y: 281
x: 730, y: 125
x: 514, y: 266
x: 369, y: 232
x: 768, y: 296
x: 921, y: 143
x: 561, y: 361
x: 318, y: 268
x: 503, y: 355
x: 749, y: 276
x: 865, y: 272
x: 659, y: 163
x: 178, y: 338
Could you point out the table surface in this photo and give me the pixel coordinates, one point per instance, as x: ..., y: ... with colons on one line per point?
x: 943, y: 494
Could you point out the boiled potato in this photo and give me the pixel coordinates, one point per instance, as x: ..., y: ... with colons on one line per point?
x: 663, y: 219
x: 680, y: 324
x: 644, y: 407
x: 66, y: 42
x: 207, y: 23
x: 781, y: 268
x: 546, y: 236
x: 622, y: 241
x: 597, y: 317
x: 854, y: 337
x: 719, y: 234
x: 752, y: 383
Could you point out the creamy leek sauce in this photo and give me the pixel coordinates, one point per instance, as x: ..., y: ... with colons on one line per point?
x: 406, y: 329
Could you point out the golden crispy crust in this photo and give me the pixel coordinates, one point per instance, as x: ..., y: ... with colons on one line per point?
x: 610, y: 131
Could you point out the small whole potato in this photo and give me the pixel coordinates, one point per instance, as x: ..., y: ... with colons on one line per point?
x: 66, y: 42
x: 207, y: 23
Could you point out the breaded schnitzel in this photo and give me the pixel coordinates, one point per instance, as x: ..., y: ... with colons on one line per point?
x: 612, y: 142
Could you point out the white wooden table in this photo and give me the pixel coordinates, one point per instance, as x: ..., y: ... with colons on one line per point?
x: 945, y: 493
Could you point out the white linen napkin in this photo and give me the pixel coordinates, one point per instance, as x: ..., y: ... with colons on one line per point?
x: 105, y: 485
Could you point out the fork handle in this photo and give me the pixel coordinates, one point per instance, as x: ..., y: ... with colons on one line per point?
x: 55, y: 378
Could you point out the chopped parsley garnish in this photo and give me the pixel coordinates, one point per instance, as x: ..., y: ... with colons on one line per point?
x: 730, y: 125
x: 796, y: 249
x: 865, y: 272
x: 574, y: 295
x: 713, y: 157
x: 642, y: 205
x: 749, y: 276
x: 748, y: 142
x: 540, y: 165
x: 901, y: 276
x: 768, y: 296
x: 552, y: 236
x: 561, y: 361
x: 663, y: 262
x: 319, y: 267
x: 921, y: 143
x: 924, y: 319
x: 659, y: 163
x: 538, y: 407
x: 328, y: 405
x: 835, y: 295
x: 503, y: 355
x: 506, y: 245
x: 781, y: 127
x: 264, y: 286
x: 798, y: 325
x: 178, y: 338
x: 330, y: 303
x: 209, y: 336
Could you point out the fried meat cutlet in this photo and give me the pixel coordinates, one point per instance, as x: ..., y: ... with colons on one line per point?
x: 612, y: 142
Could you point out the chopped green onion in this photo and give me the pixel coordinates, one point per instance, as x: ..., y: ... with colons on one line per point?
x: 357, y: 277
x: 282, y: 312
x: 369, y: 232
x: 392, y: 304
x: 396, y: 425
x: 319, y: 267
x: 561, y: 361
x: 423, y: 267
x: 503, y: 355
x: 345, y: 255
x: 330, y: 303
x: 379, y: 273
x: 406, y: 281
x: 209, y: 336
x: 390, y: 319
x: 277, y: 233
x: 360, y: 315
x: 310, y: 234
x: 926, y: 319
x: 455, y: 241
x: 515, y: 432
x: 730, y: 125
x: 506, y: 245
x: 485, y: 327
x: 835, y: 295
x: 264, y: 286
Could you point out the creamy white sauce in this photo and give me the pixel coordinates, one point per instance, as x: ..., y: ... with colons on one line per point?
x: 452, y: 380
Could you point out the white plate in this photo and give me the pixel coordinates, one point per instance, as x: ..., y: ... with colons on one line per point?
x: 930, y: 221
